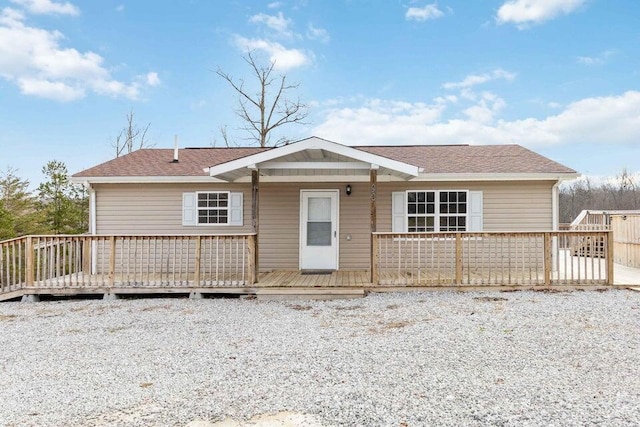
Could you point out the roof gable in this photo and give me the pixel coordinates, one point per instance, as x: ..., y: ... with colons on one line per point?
x: 298, y: 153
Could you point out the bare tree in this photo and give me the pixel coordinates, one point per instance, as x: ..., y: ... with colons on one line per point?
x: 612, y: 194
x: 131, y: 137
x: 269, y: 108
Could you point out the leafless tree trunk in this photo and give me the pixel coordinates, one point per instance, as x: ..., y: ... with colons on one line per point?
x: 269, y: 108
x: 131, y: 137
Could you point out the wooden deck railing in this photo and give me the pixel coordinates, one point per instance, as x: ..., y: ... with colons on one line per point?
x: 182, y: 263
x: 126, y: 261
x: 497, y: 258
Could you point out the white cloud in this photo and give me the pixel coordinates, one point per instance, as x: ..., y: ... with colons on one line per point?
x: 274, y: 5
x: 379, y: 122
x: 429, y: 11
x: 317, y: 33
x: 474, y: 79
x: 278, y: 23
x: 601, y: 120
x: 49, y: 89
x: 153, y: 79
x: 284, y: 59
x: 45, y: 7
x: 526, y: 12
x: 33, y: 59
x: 595, y: 60
x: 120, y: 8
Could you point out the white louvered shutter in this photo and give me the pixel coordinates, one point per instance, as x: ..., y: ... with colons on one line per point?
x: 189, y: 209
x: 398, y: 212
x: 235, y: 209
x: 475, y: 211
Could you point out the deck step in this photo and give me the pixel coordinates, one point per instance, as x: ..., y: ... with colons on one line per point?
x: 309, y: 294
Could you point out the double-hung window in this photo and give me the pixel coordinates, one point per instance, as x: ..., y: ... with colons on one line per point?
x: 453, y: 211
x: 421, y: 211
x: 213, y: 207
x: 432, y: 210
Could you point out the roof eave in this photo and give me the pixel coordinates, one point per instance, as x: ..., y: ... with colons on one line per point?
x: 495, y: 176
x: 141, y: 179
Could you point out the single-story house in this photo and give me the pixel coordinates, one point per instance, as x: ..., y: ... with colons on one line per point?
x: 315, y: 203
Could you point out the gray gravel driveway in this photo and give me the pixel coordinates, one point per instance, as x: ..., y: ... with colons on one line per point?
x: 413, y: 359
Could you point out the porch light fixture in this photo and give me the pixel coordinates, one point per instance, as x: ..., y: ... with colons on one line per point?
x: 348, y: 190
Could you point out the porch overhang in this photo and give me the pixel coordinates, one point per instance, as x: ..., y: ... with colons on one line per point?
x: 312, y: 157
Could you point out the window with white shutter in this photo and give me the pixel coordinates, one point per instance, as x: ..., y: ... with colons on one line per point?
x: 212, y: 208
x: 436, y: 210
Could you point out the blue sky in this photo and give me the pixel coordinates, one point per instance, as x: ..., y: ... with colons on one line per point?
x: 561, y: 77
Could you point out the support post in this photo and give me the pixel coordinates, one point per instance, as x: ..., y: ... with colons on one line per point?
x: 255, y: 220
x: 609, y: 237
x: 29, y: 261
x: 373, y: 183
x: 458, y: 258
x: 196, y: 273
x: 547, y: 259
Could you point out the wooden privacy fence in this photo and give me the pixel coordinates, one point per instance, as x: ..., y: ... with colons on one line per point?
x: 127, y: 261
x: 626, y: 239
x: 497, y: 258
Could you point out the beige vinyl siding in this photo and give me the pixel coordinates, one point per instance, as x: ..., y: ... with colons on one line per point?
x: 157, y: 209
x: 280, y: 224
x: 507, y: 206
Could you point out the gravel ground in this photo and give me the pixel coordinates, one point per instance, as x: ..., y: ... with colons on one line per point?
x: 414, y: 359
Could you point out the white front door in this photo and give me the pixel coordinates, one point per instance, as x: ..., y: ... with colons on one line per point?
x: 319, y: 229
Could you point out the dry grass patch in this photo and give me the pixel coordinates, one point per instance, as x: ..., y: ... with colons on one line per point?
x: 299, y: 307
x: 156, y: 307
x: 490, y: 299
x: 348, y: 308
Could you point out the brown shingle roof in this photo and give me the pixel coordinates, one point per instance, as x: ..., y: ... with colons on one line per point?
x: 158, y: 162
x: 471, y: 158
x: 432, y: 158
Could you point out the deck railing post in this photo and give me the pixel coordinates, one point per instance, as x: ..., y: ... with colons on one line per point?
x: 196, y: 273
x: 609, y: 239
x: 112, y: 261
x: 375, y: 262
x: 86, y: 255
x: 29, y: 261
x: 547, y: 258
x: 251, y: 247
x: 458, y: 258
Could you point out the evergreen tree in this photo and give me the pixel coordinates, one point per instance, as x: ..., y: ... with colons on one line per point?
x: 63, y: 203
x: 19, y: 214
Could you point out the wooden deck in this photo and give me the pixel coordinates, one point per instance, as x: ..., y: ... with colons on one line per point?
x: 298, y: 279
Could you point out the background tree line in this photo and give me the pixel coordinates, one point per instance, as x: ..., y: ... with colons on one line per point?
x: 621, y: 193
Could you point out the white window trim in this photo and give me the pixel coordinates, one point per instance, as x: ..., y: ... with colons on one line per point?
x: 227, y: 224
x: 436, y: 224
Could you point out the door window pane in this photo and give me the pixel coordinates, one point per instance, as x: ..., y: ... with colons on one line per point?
x: 318, y: 233
x: 319, y: 209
